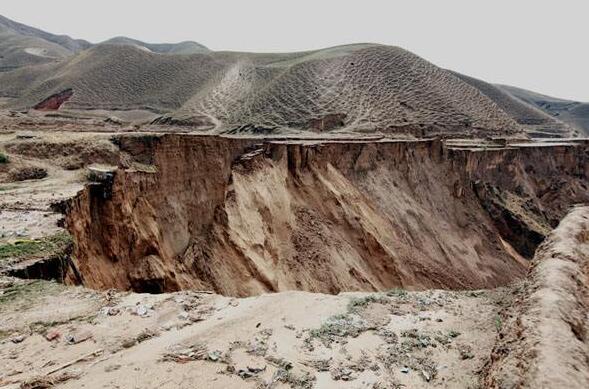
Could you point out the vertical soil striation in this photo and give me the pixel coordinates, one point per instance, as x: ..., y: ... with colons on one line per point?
x: 244, y: 218
x: 528, y: 190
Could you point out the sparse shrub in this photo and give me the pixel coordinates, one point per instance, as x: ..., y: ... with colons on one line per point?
x: 304, y: 380
x: 7, y: 187
x: 498, y: 323
x: 29, y: 290
x: 341, y: 325
x: 3, y: 158
x: 465, y: 352
x: 453, y: 334
x: 361, y: 302
x: 27, y: 247
x: 92, y: 176
x: 397, y: 292
x: 416, y: 339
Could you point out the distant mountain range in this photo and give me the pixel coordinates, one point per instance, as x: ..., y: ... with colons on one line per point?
x: 353, y: 88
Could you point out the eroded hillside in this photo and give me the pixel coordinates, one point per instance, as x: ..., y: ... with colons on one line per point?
x: 242, y: 217
x: 173, y: 216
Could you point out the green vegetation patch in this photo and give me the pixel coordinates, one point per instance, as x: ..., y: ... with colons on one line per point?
x: 3, y: 158
x: 303, y: 380
x: 349, y: 323
x: 29, y: 291
x: 341, y: 325
x: 34, y: 247
x: 7, y: 187
x: 397, y: 292
x: 357, y: 303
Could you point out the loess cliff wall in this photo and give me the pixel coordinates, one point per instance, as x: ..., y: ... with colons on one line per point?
x: 241, y: 217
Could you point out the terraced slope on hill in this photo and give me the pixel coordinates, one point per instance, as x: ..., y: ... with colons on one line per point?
x: 114, y: 77
x: 536, y: 121
x: 360, y: 87
x: 574, y: 113
x: 357, y: 88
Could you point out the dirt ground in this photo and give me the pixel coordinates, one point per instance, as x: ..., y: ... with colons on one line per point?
x: 544, y: 340
x: 26, y: 205
x: 292, y: 339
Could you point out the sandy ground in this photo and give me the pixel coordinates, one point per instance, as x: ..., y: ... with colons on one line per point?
x: 291, y: 339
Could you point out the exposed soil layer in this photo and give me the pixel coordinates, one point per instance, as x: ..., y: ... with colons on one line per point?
x: 242, y: 218
x: 55, y: 101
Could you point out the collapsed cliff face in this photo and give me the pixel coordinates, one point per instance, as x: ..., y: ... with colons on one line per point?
x: 243, y: 218
x: 336, y: 217
x: 131, y: 233
x: 528, y: 189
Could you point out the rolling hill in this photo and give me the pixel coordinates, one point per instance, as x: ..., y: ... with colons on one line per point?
x: 574, y: 113
x: 21, y: 45
x: 351, y: 88
x: 536, y: 121
x: 187, y: 47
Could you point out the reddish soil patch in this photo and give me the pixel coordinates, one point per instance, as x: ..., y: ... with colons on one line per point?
x: 54, y: 102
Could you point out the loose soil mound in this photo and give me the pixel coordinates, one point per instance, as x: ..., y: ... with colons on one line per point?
x: 545, y: 340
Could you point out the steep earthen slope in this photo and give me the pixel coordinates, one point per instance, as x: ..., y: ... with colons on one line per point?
x: 241, y: 219
x: 527, y: 188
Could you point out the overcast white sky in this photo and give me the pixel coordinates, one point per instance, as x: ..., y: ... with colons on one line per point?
x: 535, y: 44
